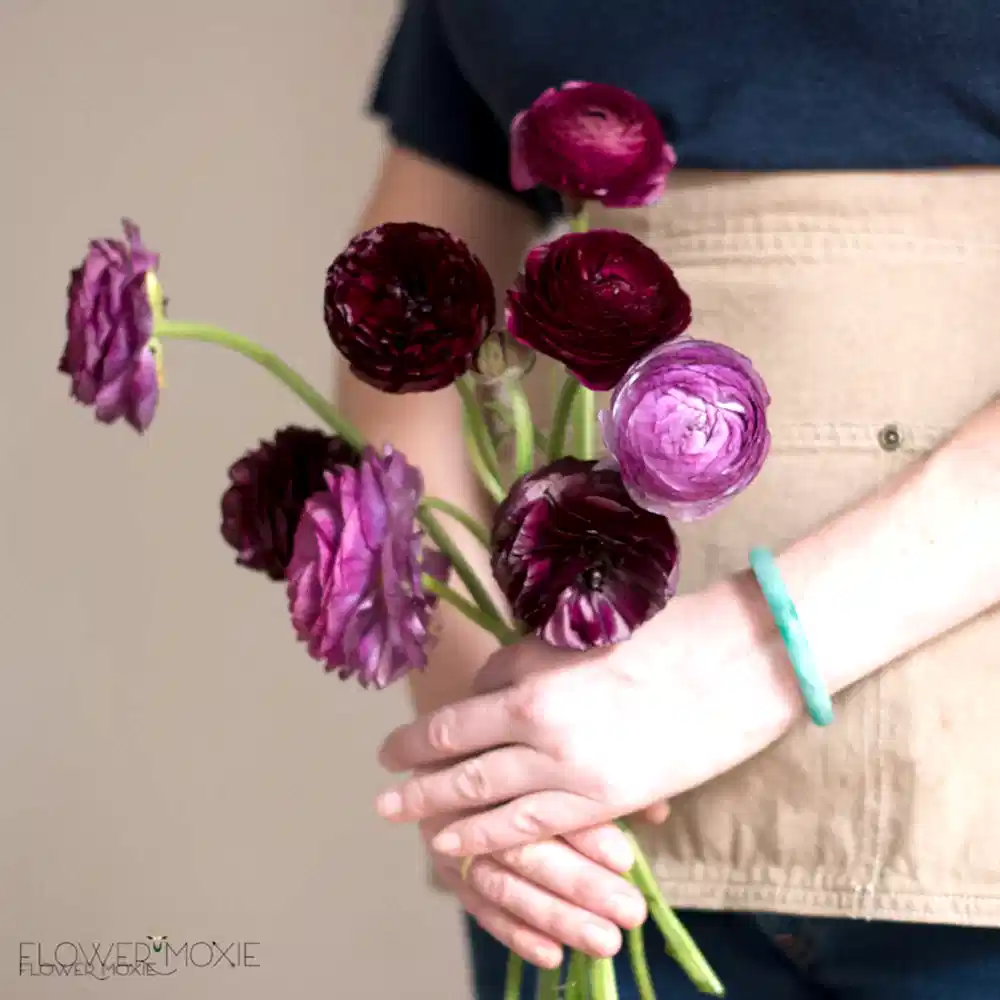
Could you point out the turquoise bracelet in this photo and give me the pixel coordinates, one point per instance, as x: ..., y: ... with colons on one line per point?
x: 814, y: 692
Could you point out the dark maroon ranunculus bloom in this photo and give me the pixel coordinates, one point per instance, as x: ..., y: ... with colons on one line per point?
x: 591, y: 141
x: 408, y: 306
x: 268, y: 490
x: 109, y: 325
x: 355, y: 582
x: 581, y: 564
x: 597, y: 302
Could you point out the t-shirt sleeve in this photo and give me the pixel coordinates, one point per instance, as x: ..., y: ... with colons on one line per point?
x: 431, y: 108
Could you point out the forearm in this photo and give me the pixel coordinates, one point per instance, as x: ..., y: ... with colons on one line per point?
x: 913, y: 561
x: 427, y: 427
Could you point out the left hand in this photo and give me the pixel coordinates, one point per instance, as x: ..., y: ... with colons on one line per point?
x: 578, y: 739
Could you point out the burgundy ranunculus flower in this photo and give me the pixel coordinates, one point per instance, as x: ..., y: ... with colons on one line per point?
x: 580, y: 563
x: 355, y: 587
x: 597, y: 302
x: 688, y: 428
x: 268, y: 490
x: 408, y: 306
x: 591, y: 141
x: 109, y: 323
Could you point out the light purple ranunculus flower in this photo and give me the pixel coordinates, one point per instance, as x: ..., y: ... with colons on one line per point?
x: 688, y: 429
x: 354, y: 582
x: 591, y: 142
x: 109, y: 356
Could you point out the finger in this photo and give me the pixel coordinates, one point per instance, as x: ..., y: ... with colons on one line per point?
x: 563, y: 871
x: 539, y: 816
x: 657, y: 813
x: 543, y: 911
x: 484, y: 780
x: 467, y: 727
x: 530, y: 944
x: 606, y: 845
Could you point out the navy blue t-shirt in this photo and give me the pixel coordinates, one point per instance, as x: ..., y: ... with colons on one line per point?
x: 738, y: 84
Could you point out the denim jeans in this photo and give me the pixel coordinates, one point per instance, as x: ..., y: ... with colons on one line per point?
x: 766, y: 957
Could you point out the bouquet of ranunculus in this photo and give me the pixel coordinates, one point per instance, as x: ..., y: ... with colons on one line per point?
x: 581, y: 546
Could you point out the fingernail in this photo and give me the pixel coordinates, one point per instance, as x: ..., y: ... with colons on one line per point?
x: 627, y: 909
x: 548, y: 958
x: 617, y: 852
x: 389, y: 804
x: 600, y: 939
x: 447, y: 843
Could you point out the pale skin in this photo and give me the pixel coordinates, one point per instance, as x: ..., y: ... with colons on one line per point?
x: 574, y: 882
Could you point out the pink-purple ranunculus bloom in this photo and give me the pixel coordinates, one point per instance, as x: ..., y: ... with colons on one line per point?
x: 355, y: 586
x: 688, y: 428
x: 591, y: 142
x: 109, y: 324
x: 579, y: 562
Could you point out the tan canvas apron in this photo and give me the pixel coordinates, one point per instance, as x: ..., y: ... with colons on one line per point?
x: 871, y: 304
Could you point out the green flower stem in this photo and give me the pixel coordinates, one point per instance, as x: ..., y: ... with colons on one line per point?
x: 490, y: 482
x: 465, y: 572
x: 640, y: 967
x: 580, y: 222
x: 603, y: 984
x: 585, y: 425
x: 547, y: 987
x: 480, y: 429
x: 322, y: 407
x: 466, y: 520
x: 560, y: 420
x: 679, y: 943
x: 524, y: 430
x: 505, y: 634
x: 515, y: 973
x: 578, y: 977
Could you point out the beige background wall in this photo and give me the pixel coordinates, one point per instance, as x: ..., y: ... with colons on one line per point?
x: 170, y: 762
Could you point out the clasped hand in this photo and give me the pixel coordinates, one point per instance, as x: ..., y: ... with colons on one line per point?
x: 564, y: 742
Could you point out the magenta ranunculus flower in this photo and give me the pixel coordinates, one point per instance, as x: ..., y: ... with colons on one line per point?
x: 580, y: 563
x: 355, y: 591
x: 591, y: 141
x: 109, y: 324
x: 597, y: 302
x: 688, y: 428
x: 269, y: 487
x: 408, y: 306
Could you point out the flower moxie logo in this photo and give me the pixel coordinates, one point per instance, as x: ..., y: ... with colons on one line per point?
x: 154, y: 956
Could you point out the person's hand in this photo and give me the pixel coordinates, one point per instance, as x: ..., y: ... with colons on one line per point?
x: 522, y: 896
x: 590, y: 737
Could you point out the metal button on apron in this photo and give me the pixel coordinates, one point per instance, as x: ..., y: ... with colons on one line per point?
x: 889, y: 438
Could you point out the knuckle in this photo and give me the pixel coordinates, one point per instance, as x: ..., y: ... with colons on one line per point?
x: 441, y: 730
x: 522, y: 859
x: 531, y: 705
x: 493, y: 882
x: 471, y: 783
x: 529, y: 819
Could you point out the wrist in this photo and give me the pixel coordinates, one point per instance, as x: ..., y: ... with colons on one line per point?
x: 728, y: 641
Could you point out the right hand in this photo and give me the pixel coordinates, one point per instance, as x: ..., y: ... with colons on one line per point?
x: 522, y: 896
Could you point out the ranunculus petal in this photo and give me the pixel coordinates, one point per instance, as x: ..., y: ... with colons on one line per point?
x: 580, y: 563
x: 268, y: 490
x: 355, y: 590
x: 408, y: 307
x: 109, y: 324
x: 687, y: 427
x: 597, y: 302
x: 591, y: 141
